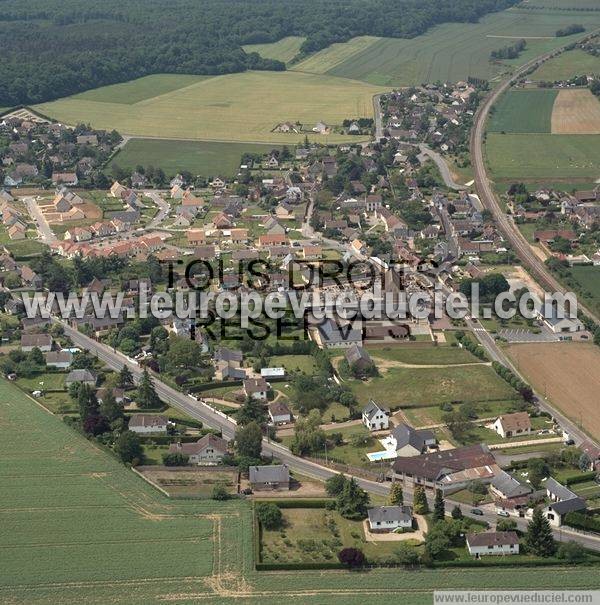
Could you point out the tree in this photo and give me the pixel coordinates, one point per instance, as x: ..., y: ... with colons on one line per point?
x: 457, y: 512
x: 36, y: 357
x: 128, y: 447
x: 125, y: 377
x: 538, y: 538
x: 184, y: 353
x: 308, y: 437
x: 437, y: 540
x: 439, y: 508
x: 396, y: 495
x: 406, y: 555
x: 334, y: 485
x: 175, y: 459
x: 86, y: 402
x: 572, y: 552
x: 109, y: 406
x: 352, y: 557
x: 537, y: 470
x: 147, y: 395
x: 352, y: 501
x: 248, y: 440
x: 420, y: 505
x: 269, y: 515
x: 220, y: 493
x: 252, y: 411
x: 506, y: 525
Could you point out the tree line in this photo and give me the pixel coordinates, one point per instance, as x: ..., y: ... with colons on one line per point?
x: 54, y: 48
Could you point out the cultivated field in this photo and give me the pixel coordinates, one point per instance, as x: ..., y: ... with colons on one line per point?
x: 199, y: 157
x: 568, y: 374
x: 282, y: 50
x: 543, y: 156
x: 567, y: 65
x: 576, y: 112
x: 238, y: 107
x: 524, y: 111
x: 449, y: 52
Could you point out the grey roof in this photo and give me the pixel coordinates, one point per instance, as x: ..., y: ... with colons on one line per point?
x: 509, y: 486
x: 390, y: 513
x: 559, y: 490
x: 190, y: 449
x: 147, y: 420
x: 224, y: 354
x: 568, y: 506
x: 404, y: 434
x: 80, y: 376
x: 493, y: 538
x: 373, y: 408
x: 357, y: 353
x: 333, y: 333
x: 36, y: 340
x: 278, y: 473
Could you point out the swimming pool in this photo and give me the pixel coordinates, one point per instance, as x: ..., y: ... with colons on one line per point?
x: 384, y: 455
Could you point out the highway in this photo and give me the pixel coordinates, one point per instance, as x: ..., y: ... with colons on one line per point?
x: 210, y: 418
x: 489, y: 197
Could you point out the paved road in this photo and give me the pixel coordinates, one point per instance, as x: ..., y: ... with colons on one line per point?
x: 46, y: 234
x: 491, y: 201
x: 442, y: 165
x: 377, y: 117
x: 163, y: 208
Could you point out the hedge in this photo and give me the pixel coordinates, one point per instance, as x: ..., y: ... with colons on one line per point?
x: 583, y: 521
x: 299, y: 566
x: 215, y: 385
x: 168, y: 439
x: 581, y: 478
x: 308, y: 503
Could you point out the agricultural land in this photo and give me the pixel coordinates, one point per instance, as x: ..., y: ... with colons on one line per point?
x: 283, y: 50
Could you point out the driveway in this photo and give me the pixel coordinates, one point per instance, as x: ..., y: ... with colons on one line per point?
x: 46, y: 234
x: 163, y: 209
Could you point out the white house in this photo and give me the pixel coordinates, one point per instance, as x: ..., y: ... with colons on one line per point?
x: 208, y: 450
x: 43, y: 342
x: 279, y: 413
x: 59, y: 359
x: 256, y: 388
x: 408, y: 441
x: 563, y: 501
x: 148, y: 423
x: 493, y: 543
x: 376, y: 417
x: 511, y: 425
x: 389, y: 518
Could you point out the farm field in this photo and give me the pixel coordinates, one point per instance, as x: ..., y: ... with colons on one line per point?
x: 409, y: 386
x: 576, y: 112
x: 588, y: 278
x: 243, y: 107
x: 545, y: 365
x: 543, y: 156
x: 524, y: 111
x: 567, y: 65
x: 198, y: 157
x: 449, y: 52
x: 282, y: 50
x: 100, y: 533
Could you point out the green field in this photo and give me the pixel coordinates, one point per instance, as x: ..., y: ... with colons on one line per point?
x: 588, y: 278
x: 543, y: 156
x: 132, y: 92
x: 425, y: 386
x: 524, y: 111
x: 237, y: 107
x: 198, y: 157
x: 566, y: 65
x: 428, y: 355
x: 449, y: 52
x: 78, y: 527
x: 282, y: 50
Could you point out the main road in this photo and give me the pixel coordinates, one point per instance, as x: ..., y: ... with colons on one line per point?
x: 490, y: 199
x: 214, y: 419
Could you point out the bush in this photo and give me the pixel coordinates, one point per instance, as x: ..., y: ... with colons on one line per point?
x: 269, y: 515
x: 351, y: 557
x: 175, y: 459
x: 220, y: 493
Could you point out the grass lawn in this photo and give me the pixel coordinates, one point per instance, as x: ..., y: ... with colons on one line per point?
x: 229, y: 108
x: 198, y: 157
x: 545, y: 448
x: 543, y: 156
x: 588, y: 278
x: 524, y: 111
x: 336, y: 412
x: 282, y: 50
x: 566, y: 65
x: 409, y: 386
x: 40, y: 382
x: 294, y: 363
x: 430, y: 355
x: 448, y: 52
x: 195, y: 482
x: 25, y: 248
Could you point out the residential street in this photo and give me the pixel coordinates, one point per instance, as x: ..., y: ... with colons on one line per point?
x: 46, y: 234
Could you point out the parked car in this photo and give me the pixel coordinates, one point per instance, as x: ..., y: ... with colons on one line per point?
x: 503, y: 513
x: 477, y: 511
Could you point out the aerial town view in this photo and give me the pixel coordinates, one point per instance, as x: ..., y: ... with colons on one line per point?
x: 299, y: 301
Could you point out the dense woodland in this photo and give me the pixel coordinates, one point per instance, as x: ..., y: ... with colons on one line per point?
x: 53, y: 48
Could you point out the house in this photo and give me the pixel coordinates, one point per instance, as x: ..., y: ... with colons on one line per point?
x: 279, y: 413
x: 274, y: 239
x: 511, y: 425
x: 593, y: 454
x: 272, y: 477
x: 232, y: 356
x: 208, y: 450
x: 65, y: 178
x: 83, y: 376
x: 196, y: 237
x: 561, y: 325
x: 148, y: 423
x: 409, y: 441
x: 117, y: 190
x: 321, y: 128
x: 563, y: 501
x: 43, y: 342
x: 311, y: 252
x: 17, y: 231
x: 376, y: 417
x: 506, y: 487
x: 493, y: 543
x: 256, y: 388
x: 59, y: 359
x: 330, y: 335
x: 285, y: 211
x: 31, y: 278
x: 117, y: 393
x: 448, y: 470
x: 390, y: 518
x: 225, y: 370
x: 358, y: 358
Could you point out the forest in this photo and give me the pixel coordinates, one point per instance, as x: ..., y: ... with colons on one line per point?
x: 55, y: 48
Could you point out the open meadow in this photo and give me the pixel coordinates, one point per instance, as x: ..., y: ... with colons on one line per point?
x: 242, y: 107
x: 566, y: 65
x: 282, y: 50
x: 524, y: 111
x: 568, y: 374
